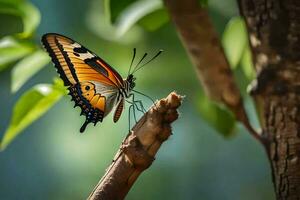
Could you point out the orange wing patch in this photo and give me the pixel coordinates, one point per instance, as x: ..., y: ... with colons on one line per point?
x: 89, y: 92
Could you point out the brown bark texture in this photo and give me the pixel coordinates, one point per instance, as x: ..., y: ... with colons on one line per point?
x: 138, y: 149
x: 205, y: 50
x: 274, y: 31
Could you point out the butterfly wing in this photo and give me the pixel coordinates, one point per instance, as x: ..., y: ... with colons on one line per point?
x: 94, y: 85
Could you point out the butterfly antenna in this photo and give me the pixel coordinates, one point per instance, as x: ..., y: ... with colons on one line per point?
x: 144, y: 56
x: 136, y: 69
x: 134, y: 52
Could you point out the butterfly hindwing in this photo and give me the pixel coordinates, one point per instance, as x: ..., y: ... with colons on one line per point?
x: 93, y: 114
x: 93, y: 84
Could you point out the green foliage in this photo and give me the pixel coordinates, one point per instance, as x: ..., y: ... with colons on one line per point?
x: 236, y: 47
x: 247, y: 64
x: 31, y: 106
x: 235, y: 40
x: 19, y: 48
x: 27, y: 67
x: 133, y: 13
x: 218, y: 116
x: 99, y: 22
x: 117, y: 7
x: 12, y: 50
x: 119, y: 18
x: 154, y: 20
x: 26, y: 11
x: 13, y: 24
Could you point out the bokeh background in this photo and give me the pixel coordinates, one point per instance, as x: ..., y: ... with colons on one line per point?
x: 52, y: 160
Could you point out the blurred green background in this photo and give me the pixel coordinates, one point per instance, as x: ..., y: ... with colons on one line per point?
x: 52, y: 160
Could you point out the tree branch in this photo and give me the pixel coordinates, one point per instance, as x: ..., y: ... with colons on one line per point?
x: 205, y: 50
x: 138, y: 149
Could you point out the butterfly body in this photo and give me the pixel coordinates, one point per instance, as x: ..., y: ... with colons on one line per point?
x: 92, y: 83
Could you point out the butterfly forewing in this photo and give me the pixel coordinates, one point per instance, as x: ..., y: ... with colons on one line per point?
x: 93, y: 84
x: 76, y: 63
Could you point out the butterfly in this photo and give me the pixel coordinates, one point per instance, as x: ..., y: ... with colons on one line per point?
x: 93, y: 84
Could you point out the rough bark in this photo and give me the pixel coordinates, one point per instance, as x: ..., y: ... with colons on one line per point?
x: 205, y: 50
x: 138, y: 149
x: 274, y: 30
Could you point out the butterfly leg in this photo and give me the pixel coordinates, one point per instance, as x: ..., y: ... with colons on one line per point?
x: 138, y: 103
x: 145, y: 96
x: 129, y: 109
x: 132, y: 106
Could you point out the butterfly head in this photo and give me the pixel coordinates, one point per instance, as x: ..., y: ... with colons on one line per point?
x: 131, y: 80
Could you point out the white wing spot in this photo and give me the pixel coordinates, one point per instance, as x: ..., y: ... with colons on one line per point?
x: 76, y: 45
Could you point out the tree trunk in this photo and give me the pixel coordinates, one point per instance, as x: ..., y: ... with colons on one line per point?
x: 274, y: 30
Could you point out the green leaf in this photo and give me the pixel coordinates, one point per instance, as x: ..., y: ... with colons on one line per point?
x: 12, y: 23
x: 31, y: 106
x: 27, y: 11
x: 154, y: 20
x: 58, y: 84
x: 218, y: 116
x: 11, y: 50
x: 124, y: 15
x: 133, y: 13
x: 99, y: 22
x: 27, y: 67
x: 247, y: 64
x: 117, y: 6
x: 234, y: 40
